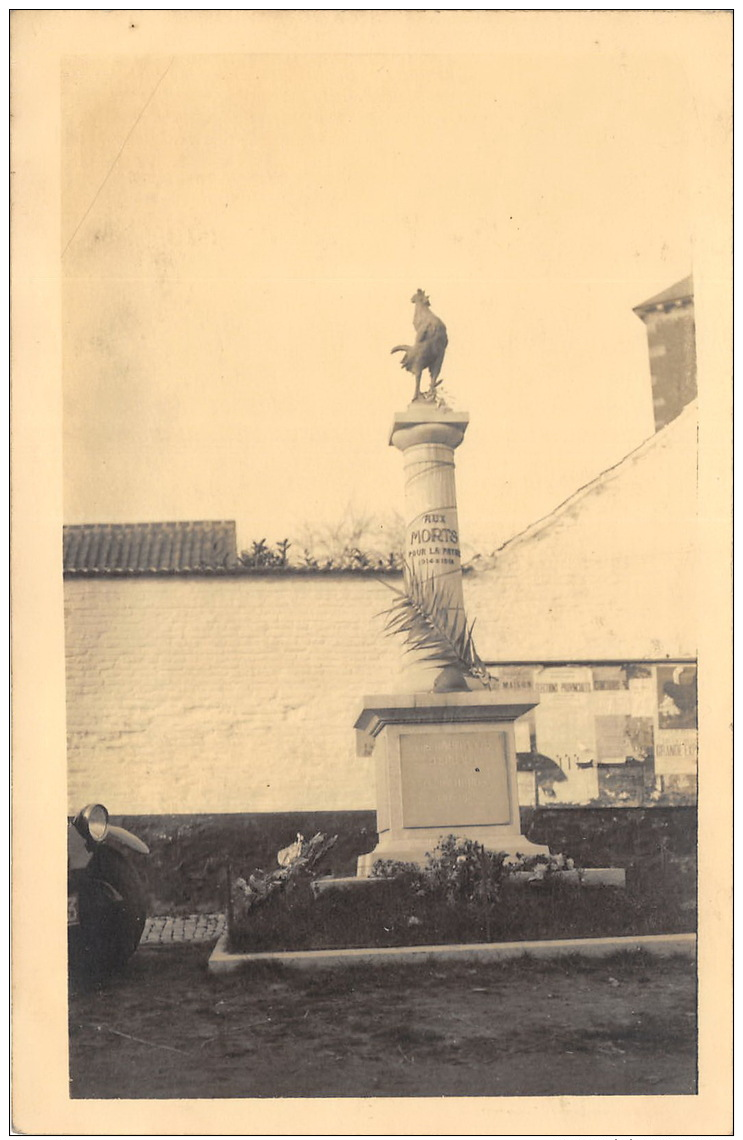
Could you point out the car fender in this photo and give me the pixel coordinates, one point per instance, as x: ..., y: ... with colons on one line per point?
x: 78, y: 853
x: 120, y: 837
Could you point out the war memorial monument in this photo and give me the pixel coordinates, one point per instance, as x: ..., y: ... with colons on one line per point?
x: 445, y: 758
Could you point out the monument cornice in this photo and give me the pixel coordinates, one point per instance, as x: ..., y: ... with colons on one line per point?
x: 424, y: 423
x: 441, y: 709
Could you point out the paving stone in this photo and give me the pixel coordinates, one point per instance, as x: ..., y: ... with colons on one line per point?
x: 166, y: 929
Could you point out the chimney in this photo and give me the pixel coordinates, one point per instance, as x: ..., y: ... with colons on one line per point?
x: 669, y: 320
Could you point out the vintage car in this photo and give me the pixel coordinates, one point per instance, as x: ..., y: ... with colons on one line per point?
x: 106, y: 901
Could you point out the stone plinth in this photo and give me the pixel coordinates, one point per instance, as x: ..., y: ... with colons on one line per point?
x: 445, y: 765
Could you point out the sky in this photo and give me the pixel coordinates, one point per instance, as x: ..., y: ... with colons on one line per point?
x: 242, y: 235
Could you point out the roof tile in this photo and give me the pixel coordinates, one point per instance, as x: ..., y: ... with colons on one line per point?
x: 150, y: 548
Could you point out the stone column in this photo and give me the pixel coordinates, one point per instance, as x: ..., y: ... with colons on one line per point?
x: 427, y: 438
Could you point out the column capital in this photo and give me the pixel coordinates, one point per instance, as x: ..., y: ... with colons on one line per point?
x: 422, y: 424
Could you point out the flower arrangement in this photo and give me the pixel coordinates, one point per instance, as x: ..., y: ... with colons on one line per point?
x: 297, y: 867
x: 462, y: 870
x: 462, y: 876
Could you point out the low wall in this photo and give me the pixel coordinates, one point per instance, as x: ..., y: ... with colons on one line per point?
x: 613, y: 837
x: 186, y: 871
x: 189, y: 854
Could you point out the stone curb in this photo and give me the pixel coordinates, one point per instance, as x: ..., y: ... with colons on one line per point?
x: 660, y: 945
x: 587, y: 878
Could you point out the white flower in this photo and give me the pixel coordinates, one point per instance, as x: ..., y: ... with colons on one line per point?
x: 290, y: 854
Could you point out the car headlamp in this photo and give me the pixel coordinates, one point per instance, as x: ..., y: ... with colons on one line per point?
x: 92, y: 822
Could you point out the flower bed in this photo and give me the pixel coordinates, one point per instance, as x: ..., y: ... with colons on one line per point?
x: 464, y: 895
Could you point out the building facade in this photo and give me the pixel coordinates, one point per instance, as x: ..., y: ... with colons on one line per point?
x: 669, y: 320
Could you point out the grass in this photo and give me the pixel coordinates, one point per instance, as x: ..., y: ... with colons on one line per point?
x: 392, y: 914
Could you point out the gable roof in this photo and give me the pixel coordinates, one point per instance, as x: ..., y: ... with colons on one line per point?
x: 662, y: 441
x: 116, y: 549
x: 675, y: 295
x: 609, y: 574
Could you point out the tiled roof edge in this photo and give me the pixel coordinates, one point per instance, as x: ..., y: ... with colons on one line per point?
x: 149, y: 547
x: 680, y: 293
x: 236, y: 571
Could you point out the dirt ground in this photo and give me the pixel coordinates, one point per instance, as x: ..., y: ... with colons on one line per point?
x: 166, y: 1028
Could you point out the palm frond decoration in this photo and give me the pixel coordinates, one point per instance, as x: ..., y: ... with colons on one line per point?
x: 422, y: 615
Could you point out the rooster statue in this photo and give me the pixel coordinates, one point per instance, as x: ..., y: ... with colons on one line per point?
x: 429, y: 348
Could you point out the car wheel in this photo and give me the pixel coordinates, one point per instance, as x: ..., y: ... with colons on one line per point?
x: 112, y: 913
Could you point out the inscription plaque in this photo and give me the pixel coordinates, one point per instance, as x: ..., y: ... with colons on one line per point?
x: 433, y: 543
x: 454, y: 779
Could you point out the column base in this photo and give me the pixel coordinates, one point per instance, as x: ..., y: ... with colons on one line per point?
x: 416, y: 849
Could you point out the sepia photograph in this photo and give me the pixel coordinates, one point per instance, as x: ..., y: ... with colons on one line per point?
x: 371, y: 569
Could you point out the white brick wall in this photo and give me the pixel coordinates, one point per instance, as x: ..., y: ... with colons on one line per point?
x: 226, y: 694
x: 239, y: 694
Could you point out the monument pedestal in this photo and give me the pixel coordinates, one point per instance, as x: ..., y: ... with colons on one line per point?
x: 445, y: 765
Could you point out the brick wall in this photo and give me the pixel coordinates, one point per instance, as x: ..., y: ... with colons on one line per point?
x: 671, y: 344
x: 239, y: 694
x: 222, y: 694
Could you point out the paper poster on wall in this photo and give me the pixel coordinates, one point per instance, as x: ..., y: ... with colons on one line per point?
x: 677, y: 696
x: 676, y: 752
